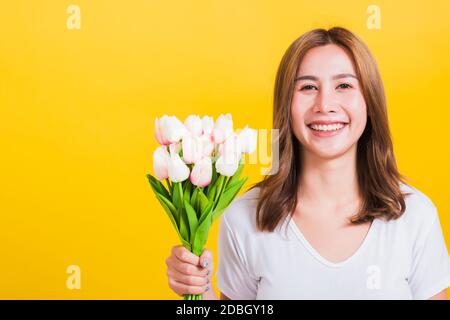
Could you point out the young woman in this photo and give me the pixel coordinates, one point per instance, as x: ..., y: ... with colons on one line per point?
x: 337, y: 221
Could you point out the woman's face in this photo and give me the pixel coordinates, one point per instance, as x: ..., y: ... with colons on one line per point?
x: 328, y: 108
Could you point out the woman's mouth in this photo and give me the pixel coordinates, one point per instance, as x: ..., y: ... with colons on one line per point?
x: 327, y: 130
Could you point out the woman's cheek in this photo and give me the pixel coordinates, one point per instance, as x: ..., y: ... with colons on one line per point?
x: 297, y: 115
x: 358, y: 116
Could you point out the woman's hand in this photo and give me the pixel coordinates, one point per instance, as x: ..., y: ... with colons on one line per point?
x: 189, y: 274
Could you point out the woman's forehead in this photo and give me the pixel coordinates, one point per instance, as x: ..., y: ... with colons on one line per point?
x: 326, y: 61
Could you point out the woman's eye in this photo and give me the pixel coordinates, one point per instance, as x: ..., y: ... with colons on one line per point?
x: 307, y: 87
x: 344, y: 86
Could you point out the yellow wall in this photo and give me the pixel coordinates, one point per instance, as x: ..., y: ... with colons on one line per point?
x: 77, y: 110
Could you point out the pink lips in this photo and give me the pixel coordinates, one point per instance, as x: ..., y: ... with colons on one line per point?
x: 326, y: 133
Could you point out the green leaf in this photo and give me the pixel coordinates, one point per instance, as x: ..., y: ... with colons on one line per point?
x: 187, y: 191
x: 169, y: 187
x: 168, y: 207
x: 165, y: 199
x: 194, y: 198
x: 203, y: 200
x: 167, y: 202
x: 201, y: 236
x: 227, y: 197
x: 206, y: 212
x: 237, y: 174
x: 184, y: 224
x: 220, y: 186
x: 214, y: 176
x: 158, y: 186
x: 212, y: 190
x: 177, y: 195
x: 192, y: 218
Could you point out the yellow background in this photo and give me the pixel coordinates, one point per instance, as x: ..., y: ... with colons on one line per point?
x: 77, y: 110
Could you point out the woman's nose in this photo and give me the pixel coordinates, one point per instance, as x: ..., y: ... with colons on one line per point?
x: 326, y: 102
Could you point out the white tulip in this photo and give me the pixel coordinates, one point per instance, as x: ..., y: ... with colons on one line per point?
x: 247, y: 139
x: 169, y: 130
x: 175, y: 147
x: 162, y: 140
x: 192, y: 148
x: 230, y: 155
x: 207, y: 125
x: 160, y: 163
x: 207, y: 145
x: 223, y: 128
x: 202, y: 172
x: 177, y: 170
x: 227, y: 166
x: 194, y: 125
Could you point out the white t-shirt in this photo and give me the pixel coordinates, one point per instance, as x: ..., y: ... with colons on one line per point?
x: 401, y: 259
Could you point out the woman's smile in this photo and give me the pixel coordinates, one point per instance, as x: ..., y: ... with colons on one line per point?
x: 326, y: 128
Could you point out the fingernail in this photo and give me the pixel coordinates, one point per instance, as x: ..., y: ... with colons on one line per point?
x: 207, y: 288
x: 205, y: 263
x: 207, y: 280
x: 208, y: 272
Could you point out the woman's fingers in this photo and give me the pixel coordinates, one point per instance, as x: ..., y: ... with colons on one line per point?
x: 206, y: 259
x: 185, y: 255
x: 182, y: 289
x: 185, y: 272
x: 187, y: 268
x: 187, y: 279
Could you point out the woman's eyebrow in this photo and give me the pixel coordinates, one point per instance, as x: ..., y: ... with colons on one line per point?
x: 337, y: 76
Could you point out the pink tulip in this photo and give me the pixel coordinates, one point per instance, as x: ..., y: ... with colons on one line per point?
x: 202, y: 172
x: 160, y: 163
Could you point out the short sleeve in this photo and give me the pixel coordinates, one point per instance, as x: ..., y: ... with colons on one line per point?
x: 233, y: 277
x: 430, y: 272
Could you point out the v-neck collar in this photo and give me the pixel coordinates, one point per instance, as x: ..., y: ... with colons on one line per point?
x: 319, y: 257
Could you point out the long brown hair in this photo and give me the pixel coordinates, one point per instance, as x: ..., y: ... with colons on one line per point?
x: 378, y: 177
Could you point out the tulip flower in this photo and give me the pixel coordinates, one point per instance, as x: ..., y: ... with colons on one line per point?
x: 175, y: 147
x: 169, y: 130
x: 230, y: 155
x: 207, y: 125
x: 177, y: 170
x: 162, y: 140
x: 194, y: 125
x: 223, y: 128
x: 160, y: 163
x: 192, y: 148
x: 189, y: 150
x: 207, y: 145
x: 247, y: 139
x: 202, y: 172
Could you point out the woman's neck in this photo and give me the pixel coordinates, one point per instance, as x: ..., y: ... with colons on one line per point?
x: 330, y: 183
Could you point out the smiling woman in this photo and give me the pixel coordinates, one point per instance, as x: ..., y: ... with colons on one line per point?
x: 337, y: 221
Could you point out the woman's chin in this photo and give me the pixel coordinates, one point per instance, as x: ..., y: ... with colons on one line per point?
x: 329, y: 153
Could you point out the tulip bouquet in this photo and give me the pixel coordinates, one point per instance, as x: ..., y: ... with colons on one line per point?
x: 200, y: 162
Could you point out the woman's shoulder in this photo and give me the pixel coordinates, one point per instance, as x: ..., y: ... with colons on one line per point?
x: 420, y: 212
x: 241, y: 213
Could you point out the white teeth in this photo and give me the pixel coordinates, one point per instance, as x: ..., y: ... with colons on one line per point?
x: 328, y: 127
